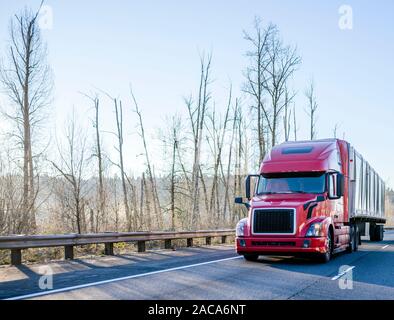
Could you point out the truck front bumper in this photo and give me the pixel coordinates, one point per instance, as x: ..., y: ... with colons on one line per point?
x: 280, y: 246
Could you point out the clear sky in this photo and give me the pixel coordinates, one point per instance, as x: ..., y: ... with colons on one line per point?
x: 155, y: 46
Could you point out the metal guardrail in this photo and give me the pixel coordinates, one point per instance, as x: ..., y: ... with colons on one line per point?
x: 17, y: 243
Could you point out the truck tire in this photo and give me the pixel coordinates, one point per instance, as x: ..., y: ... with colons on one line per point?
x: 379, y: 231
x: 251, y: 257
x: 376, y: 232
x: 353, y: 240
x: 372, y: 232
x: 357, y: 238
x: 326, y: 257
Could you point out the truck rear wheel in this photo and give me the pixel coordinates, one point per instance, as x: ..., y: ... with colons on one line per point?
x: 376, y: 232
x: 372, y: 232
x: 357, y: 238
x: 379, y: 231
x: 251, y: 257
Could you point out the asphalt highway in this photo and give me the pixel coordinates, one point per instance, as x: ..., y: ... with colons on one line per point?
x: 213, y: 272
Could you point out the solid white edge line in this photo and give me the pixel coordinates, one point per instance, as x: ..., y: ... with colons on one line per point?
x: 92, y: 284
x: 342, y: 273
x: 385, y: 247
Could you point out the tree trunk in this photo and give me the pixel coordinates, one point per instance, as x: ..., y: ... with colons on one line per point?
x: 119, y: 124
x: 100, y: 167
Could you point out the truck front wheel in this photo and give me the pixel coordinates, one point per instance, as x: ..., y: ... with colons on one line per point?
x: 251, y: 257
x: 354, y: 239
x: 325, y: 257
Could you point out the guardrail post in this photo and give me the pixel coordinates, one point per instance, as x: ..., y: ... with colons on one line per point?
x: 208, y: 241
x: 224, y: 238
x: 16, y: 257
x: 141, y: 246
x: 68, y: 252
x: 167, y: 244
x: 109, y: 249
x: 190, y: 242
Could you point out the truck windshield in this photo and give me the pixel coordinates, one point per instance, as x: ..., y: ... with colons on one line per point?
x: 291, y: 183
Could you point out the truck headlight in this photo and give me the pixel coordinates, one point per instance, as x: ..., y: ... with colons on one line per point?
x: 315, y: 230
x: 239, y: 230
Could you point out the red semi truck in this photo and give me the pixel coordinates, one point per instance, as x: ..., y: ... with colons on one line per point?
x: 311, y: 198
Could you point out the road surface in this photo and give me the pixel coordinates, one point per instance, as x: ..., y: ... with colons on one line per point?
x: 213, y: 272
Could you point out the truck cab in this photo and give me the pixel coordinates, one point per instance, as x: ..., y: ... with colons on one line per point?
x: 298, y: 204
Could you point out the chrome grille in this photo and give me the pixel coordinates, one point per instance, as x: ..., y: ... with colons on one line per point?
x: 274, y: 221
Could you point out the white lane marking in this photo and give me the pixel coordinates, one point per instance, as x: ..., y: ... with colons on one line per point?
x: 38, y: 294
x: 385, y: 247
x: 342, y: 273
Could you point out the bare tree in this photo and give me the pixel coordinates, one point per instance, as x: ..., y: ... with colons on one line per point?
x: 226, y: 179
x: 11, y: 221
x: 171, y: 140
x: 197, y: 114
x: 283, y: 62
x: 113, y: 185
x: 131, y: 223
x: 259, y: 62
x: 145, y: 203
x: 27, y: 80
x: 101, y: 212
x: 119, y: 126
x: 239, y: 150
x: 181, y: 183
x: 287, y: 117
x: 217, y: 133
x: 99, y: 157
x: 295, y: 128
x: 335, y: 130
x: 134, y: 203
x: 273, y: 65
x: 151, y: 176
x: 311, y: 109
x: 72, y: 166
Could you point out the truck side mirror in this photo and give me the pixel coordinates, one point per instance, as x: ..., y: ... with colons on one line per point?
x: 248, y: 185
x: 240, y: 200
x: 335, y: 185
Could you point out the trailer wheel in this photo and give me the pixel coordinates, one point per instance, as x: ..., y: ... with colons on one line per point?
x: 357, y: 238
x: 251, y: 257
x: 372, y: 232
x: 379, y: 233
x: 376, y: 232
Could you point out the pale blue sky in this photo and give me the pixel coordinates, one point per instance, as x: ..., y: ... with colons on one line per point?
x: 155, y: 46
